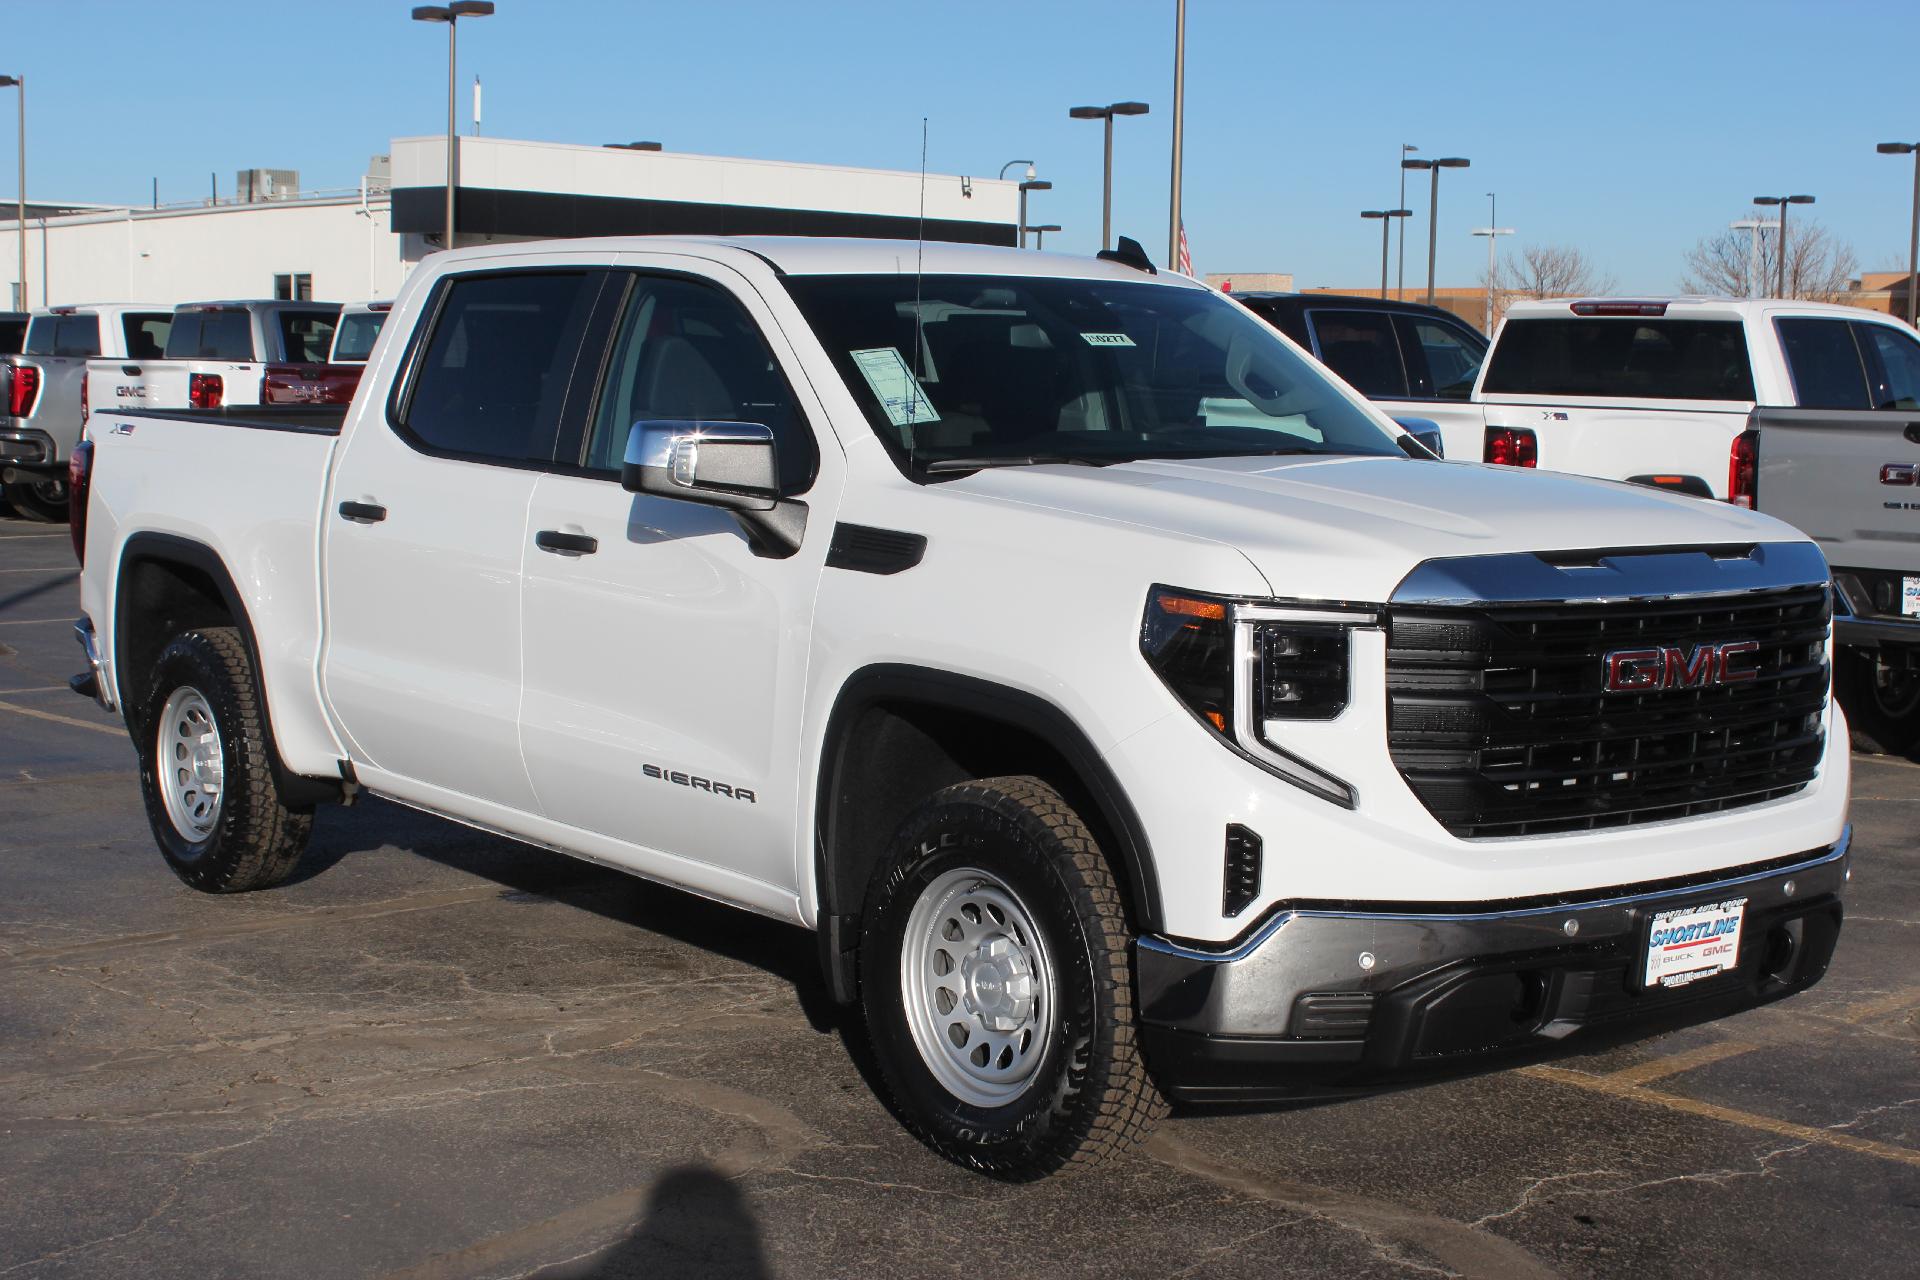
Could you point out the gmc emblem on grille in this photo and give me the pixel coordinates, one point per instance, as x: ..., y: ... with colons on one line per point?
x: 1671, y: 667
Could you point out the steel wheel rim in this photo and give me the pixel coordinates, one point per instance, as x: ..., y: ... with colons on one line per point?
x: 189, y: 764
x: 977, y: 983
x: 1896, y: 690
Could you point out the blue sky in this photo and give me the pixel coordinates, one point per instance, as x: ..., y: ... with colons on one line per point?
x: 1625, y: 128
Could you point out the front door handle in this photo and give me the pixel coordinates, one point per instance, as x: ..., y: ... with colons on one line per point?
x: 565, y: 544
x: 1913, y: 432
x: 363, y: 512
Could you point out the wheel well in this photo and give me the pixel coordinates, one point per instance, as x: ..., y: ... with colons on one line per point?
x: 159, y: 599
x: 900, y: 734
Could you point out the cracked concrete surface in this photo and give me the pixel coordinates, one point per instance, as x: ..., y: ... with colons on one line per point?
x: 435, y: 1053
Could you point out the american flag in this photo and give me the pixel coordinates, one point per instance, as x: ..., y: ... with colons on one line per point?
x: 1186, y: 258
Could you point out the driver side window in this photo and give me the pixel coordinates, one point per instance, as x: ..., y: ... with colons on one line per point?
x: 688, y: 351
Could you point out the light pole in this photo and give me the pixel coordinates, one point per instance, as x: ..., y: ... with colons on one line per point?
x: 1913, y: 233
x: 1040, y: 234
x: 20, y: 83
x: 1386, y: 217
x: 1176, y: 229
x: 1433, y: 204
x: 451, y: 15
x: 1783, y: 202
x: 1107, y: 113
x: 1400, y: 284
x: 1029, y: 185
x: 1493, y: 234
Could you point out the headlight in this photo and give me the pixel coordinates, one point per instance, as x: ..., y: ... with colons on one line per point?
x: 1240, y: 665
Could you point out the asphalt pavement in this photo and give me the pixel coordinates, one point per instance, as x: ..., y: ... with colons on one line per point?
x: 439, y: 1053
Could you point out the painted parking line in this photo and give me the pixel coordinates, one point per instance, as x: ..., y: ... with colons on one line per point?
x: 1901, y: 1001
x: 97, y: 727
x: 54, y: 569
x: 1675, y: 1063
x: 1615, y: 1088
x: 34, y: 622
x: 44, y: 688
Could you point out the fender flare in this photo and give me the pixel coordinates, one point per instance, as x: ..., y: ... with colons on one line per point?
x: 903, y: 682
x: 169, y: 548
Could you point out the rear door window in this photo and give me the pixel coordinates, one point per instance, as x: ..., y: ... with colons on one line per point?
x: 1624, y: 357
x: 1824, y: 363
x: 78, y: 336
x: 492, y: 377
x: 1896, y: 384
x: 41, y: 336
x: 306, y: 336
x: 353, y: 341
x: 1443, y: 359
x: 1360, y: 346
x: 146, y: 333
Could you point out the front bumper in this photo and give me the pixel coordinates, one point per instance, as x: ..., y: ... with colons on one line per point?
x: 1349, y: 998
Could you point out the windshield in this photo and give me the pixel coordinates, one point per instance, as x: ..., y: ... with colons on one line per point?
x: 961, y: 368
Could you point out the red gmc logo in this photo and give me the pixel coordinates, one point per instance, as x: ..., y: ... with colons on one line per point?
x: 1671, y: 667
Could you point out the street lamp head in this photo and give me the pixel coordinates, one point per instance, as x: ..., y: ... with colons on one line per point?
x: 1416, y: 164
x: 1032, y: 173
x: 1129, y: 108
x: 432, y: 13
x: 1041, y: 185
x: 1768, y: 200
x: 7, y: 82
x: 471, y: 8
x: 1885, y: 148
x: 1799, y: 199
x: 1399, y: 213
x: 1051, y: 226
x: 1087, y: 113
x: 1375, y: 213
x: 1453, y: 162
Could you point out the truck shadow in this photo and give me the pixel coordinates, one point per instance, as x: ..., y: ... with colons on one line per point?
x: 527, y: 873
x: 697, y: 1225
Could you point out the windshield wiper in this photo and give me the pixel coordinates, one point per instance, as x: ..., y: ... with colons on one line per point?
x: 943, y: 465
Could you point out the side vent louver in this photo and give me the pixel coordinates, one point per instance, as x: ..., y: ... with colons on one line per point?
x: 1242, y: 870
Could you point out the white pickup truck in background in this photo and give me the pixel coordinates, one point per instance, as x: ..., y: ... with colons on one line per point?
x: 231, y: 353
x: 360, y: 324
x: 1658, y: 391
x: 46, y: 393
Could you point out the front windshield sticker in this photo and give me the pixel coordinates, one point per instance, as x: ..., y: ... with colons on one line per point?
x: 885, y: 370
x: 1107, y: 339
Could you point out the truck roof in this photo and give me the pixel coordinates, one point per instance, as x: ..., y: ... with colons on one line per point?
x: 1683, y: 306
x: 256, y: 304
x: 100, y: 308
x: 824, y: 255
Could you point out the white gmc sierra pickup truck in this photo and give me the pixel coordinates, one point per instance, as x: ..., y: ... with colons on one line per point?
x: 1132, y: 710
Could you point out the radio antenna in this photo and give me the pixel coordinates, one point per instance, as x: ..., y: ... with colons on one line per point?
x: 919, y: 320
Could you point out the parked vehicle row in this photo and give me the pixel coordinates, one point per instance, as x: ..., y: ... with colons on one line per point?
x: 1808, y: 411
x: 1132, y: 709
x: 232, y: 353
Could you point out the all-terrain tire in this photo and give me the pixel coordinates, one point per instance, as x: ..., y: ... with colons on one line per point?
x: 202, y: 729
x: 1008, y: 850
x: 44, y: 501
x: 1882, y: 701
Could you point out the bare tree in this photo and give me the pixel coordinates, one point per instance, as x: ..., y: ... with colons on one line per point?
x: 1545, y: 271
x: 1819, y: 265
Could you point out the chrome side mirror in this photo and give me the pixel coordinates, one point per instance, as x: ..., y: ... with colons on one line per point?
x: 1426, y: 431
x: 722, y: 464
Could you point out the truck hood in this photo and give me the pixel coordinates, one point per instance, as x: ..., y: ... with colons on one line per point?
x: 1350, y: 528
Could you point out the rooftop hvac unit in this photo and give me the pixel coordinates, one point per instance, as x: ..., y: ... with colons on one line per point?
x: 251, y: 186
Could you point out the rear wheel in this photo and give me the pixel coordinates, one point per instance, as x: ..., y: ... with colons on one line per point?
x: 204, y: 773
x: 997, y: 984
x: 42, y: 499
x: 1882, y: 699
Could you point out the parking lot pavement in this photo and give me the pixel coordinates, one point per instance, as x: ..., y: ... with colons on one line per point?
x: 440, y: 1053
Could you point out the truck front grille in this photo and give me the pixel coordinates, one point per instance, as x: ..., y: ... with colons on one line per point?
x: 1500, y: 720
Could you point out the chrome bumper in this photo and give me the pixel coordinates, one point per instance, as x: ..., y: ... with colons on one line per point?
x: 1357, y: 994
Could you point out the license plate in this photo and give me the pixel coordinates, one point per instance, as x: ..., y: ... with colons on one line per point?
x: 1691, y: 943
x: 1910, y: 597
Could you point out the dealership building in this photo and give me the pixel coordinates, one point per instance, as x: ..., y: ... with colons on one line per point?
x: 269, y: 237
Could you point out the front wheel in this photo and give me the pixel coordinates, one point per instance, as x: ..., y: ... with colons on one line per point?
x: 1882, y: 700
x: 44, y: 500
x: 205, y: 775
x: 997, y: 984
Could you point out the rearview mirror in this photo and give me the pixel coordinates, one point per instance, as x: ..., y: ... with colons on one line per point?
x: 722, y: 464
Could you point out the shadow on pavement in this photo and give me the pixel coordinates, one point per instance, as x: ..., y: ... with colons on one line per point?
x: 697, y: 1224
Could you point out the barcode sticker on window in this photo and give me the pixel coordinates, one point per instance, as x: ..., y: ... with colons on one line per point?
x: 1107, y: 340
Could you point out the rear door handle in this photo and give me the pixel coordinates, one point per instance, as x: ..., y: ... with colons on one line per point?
x: 363, y: 512
x: 565, y: 544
